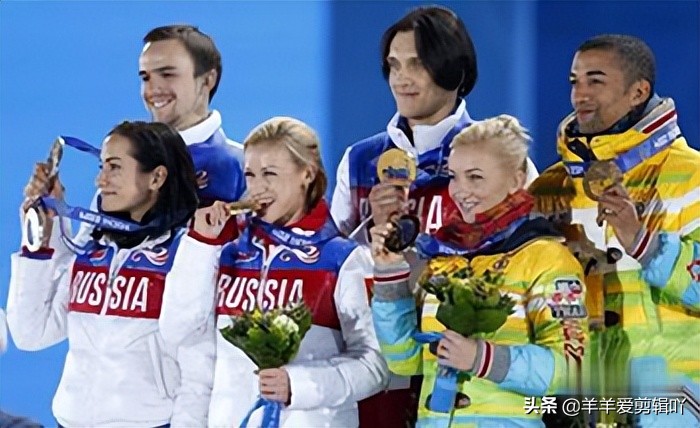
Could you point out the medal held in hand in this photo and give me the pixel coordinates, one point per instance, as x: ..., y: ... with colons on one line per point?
x: 35, y: 217
x: 398, y: 168
x: 601, y: 176
x: 243, y: 207
x: 41, y: 203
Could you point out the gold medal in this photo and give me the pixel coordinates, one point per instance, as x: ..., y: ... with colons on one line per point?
x: 396, y: 166
x: 601, y: 176
x: 243, y: 207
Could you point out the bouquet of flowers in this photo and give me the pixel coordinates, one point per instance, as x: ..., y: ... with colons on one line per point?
x: 469, y: 304
x: 270, y: 339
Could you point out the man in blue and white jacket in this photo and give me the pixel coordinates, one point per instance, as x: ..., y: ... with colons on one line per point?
x: 429, y: 61
x: 180, y: 70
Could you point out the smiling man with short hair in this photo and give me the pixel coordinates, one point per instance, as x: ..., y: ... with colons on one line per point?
x: 629, y: 178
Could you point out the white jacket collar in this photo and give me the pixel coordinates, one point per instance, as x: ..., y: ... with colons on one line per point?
x: 203, y: 130
x: 425, y: 137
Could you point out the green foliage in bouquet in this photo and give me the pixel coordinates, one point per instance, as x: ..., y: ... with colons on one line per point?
x: 470, y: 303
x: 270, y: 339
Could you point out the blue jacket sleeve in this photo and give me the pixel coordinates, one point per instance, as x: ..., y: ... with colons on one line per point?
x: 396, y: 320
x: 672, y: 264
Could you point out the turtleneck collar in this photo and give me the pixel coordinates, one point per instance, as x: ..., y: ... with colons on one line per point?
x: 622, y: 125
x: 424, y: 138
x: 626, y: 134
x: 314, y: 219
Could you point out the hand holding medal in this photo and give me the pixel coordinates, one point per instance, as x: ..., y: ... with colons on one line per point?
x: 210, y: 221
x: 390, y: 195
x: 36, y: 219
x: 397, y: 168
x: 603, y: 183
x: 44, y: 199
x: 617, y: 209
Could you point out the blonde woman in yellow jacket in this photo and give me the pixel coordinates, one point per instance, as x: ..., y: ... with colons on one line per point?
x: 538, y: 351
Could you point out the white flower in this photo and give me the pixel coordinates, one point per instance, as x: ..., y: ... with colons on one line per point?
x: 286, y: 324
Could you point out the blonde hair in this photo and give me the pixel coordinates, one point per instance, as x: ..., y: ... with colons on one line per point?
x: 303, y: 144
x: 504, y: 135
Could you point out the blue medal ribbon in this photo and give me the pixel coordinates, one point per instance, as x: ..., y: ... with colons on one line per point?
x: 442, y: 399
x: 98, y: 219
x: 81, y: 145
x: 271, y: 413
x: 424, y: 172
x: 282, y: 235
x: 660, y: 140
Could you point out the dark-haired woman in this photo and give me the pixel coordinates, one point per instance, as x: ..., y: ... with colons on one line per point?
x: 107, y: 300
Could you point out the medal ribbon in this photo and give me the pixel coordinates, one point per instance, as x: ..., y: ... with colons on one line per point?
x: 281, y: 235
x: 81, y: 145
x: 442, y: 399
x: 271, y: 413
x: 658, y: 141
x: 98, y: 219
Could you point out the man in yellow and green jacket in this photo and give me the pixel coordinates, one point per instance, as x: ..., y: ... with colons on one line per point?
x: 632, y: 183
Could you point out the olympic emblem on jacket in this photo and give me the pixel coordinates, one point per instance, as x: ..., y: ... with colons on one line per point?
x: 157, y: 256
x: 308, y: 254
x: 566, y: 301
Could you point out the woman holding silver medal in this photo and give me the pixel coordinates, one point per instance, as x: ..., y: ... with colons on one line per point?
x: 539, y: 348
x: 289, y: 251
x: 106, y: 301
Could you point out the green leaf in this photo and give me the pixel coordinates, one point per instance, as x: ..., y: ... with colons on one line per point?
x: 457, y: 318
x: 490, y: 320
x: 267, y: 338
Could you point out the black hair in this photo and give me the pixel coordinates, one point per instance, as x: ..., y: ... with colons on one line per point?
x: 200, y: 46
x: 443, y: 45
x: 636, y: 58
x: 154, y: 144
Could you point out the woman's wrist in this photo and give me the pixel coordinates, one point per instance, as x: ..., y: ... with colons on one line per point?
x: 391, y: 281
